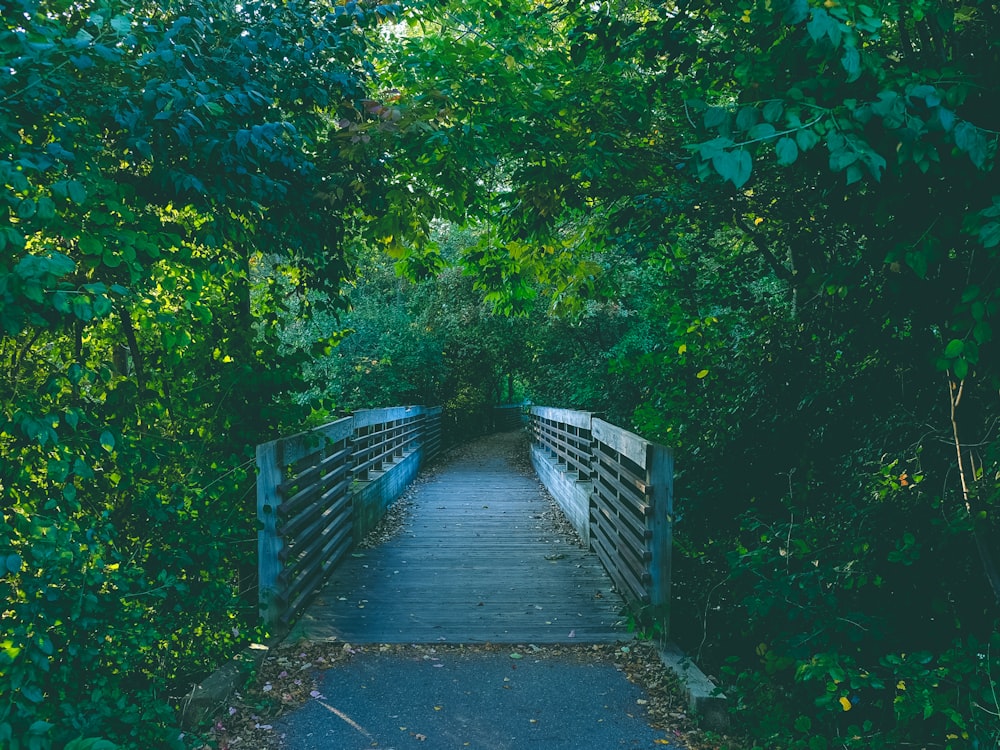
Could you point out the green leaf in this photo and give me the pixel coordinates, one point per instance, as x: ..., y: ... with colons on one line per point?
x: 761, y: 132
x: 734, y: 166
x: 26, y: 208
x: 852, y: 63
x: 786, y: 151
x: 973, y: 141
x: 989, y: 235
x: 806, y: 139
x: 107, y: 441
x: 701, y: 374
x: 746, y: 118
x: 46, y: 208
x: 90, y: 245
x: 961, y: 369
x: 77, y: 192
x: 714, y: 117
x: 13, y: 563
x: 954, y: 348
x: 121, y: 25
x: 982, y: 332
x: 773, y: 110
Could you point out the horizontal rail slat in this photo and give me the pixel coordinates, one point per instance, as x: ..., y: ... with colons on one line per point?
x: 627, y: 443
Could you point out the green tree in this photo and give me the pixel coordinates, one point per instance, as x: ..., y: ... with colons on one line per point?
x: 151, y: 154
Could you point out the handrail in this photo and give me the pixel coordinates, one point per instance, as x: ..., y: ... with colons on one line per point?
x: 628, y: 493
x: 318, y: 489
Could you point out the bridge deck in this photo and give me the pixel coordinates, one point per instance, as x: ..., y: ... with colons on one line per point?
x: 478, y: 560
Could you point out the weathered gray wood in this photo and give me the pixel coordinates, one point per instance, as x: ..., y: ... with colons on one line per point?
x: 368, y: 417
x: 660, y: 468
x: 269, y: 543
x: 571, y: 417
x: 307, y: 511
x: 476, y: 562
x: 624, y: 442
x: 297, y: 447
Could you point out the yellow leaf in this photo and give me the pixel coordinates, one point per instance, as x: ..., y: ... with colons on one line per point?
x: 845, y: 703
x: 900, y: 685
x: 701, y: 374
x: 682, y: 348
x: 661, y: 741
x: 437, y: 708
x: 758, y: 221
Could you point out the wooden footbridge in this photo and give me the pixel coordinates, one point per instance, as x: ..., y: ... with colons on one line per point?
x: 479, y: 555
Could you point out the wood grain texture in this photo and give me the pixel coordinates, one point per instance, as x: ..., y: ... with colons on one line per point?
x: 477, y: 561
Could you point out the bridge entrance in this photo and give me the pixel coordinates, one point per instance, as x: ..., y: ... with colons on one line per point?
x: 479, y: 558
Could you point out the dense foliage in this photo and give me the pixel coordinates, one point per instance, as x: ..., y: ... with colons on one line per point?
x: 151, y: 157
x: 763, y: 232
x: 429, y: 341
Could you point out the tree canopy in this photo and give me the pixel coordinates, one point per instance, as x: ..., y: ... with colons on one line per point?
x: 764, y: 232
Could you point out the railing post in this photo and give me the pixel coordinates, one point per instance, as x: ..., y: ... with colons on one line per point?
x: 660, y: 476
x: 269, y: 542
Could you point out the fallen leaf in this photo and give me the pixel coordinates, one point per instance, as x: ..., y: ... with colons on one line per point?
x: 420, y: 737
x: 437, y: 708
x: 516, y: 655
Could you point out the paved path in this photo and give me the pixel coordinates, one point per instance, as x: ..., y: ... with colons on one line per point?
x: 478, y: 561
x: 478, y: 700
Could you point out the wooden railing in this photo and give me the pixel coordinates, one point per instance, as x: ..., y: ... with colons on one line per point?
x: 319, y: 491
x: 626, y: 486
x: 508, y: 417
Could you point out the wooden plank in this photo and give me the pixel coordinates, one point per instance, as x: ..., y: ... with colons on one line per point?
x: 269, y: 543
x: 625, y: 497
x: 628, y: 585
x: 296, y: 447
x: 661, y: 477
x: 475, y: 562
x: 580, y: 419
x: 369, y: 417
x: 627, y: 443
